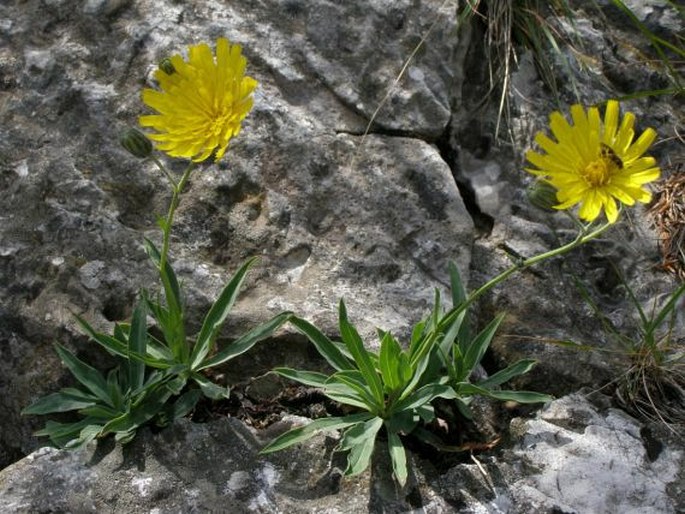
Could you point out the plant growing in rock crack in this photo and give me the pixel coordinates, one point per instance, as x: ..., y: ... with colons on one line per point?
x: 653, y: 386
x: 532, y: 26
x: 200, y: 107
x: 594, y: 164
x: 395, y: 387
x: 119, y: 403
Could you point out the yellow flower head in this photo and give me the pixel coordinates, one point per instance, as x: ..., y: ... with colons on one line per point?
x: 595, y: 163
x: 201, y: 103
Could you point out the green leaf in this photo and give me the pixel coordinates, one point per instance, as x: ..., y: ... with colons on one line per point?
x: 455, y: 332
x: 310, y: 378
x: 355, y: 345
x: 343, y: 393
x: 417, y: 332
x: 389, y: 363
x: 137, y: 344
x: 101, y: 412
x: 61, y: 401
x: 176, y: 380
x: 87, y: 434
x: 666, y: 310
x: 144, y: 409
x: 459, y: 301
x: 423, y: 396
x: 402, y: 422
x: 217, y: 315
x: 418, y: 369
x: 117, y: 347
x: 125, y: 437
x: 356, y: 386
x: 158, y: 312
x: 518, y: 368
x: 210, y: 389
x: 61, y: 434
x: 121, y: 331
x: 456, y: 285
x: 87, y: 375
x: 117, y: 387
x: 424, y: 348
x: 404, y: 369
x: 158, y: 355
x: 475, y: 351
x: 521, y: 396
x: 398, y: 456
x: 467, y: 389
x: 247, y: 341
x: 113, y: 345
x: 326, y: 348
x: 299, y: 434
x: 184, y: 404
x: 171, y: 320
x: 360, y: 440
x: 426, y: 413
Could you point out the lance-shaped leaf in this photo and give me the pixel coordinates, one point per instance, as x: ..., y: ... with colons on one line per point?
x: 217, y: 315
x: 247, y: 341
x: 117, y: 347
x: 210, y: 389
x: 355, y: 380
x: 355, y: 345
x: 310, y: 378
x: 326, y: 348
x: 87, y: 375
x: 173, y: 325
x: 137, y: 344
x: 360, y: 440
x: 393, y: 367
x: 424, y: 395
x: 67, y: 399
x: 474, y: 353
x: 398, y: 456
x: 299, y: 434
x: 468, y: 389
x: 514, y: 370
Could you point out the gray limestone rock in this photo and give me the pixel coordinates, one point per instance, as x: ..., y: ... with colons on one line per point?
x: 332, y: 213
x: 572, y: 457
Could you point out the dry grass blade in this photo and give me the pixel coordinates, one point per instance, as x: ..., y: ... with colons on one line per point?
x: 667, y: 210
x: 655, y: 393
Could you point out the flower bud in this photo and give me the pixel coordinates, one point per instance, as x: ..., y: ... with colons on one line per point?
x: 136, y: 143
x: 542, y: 195
x: 166, y: 66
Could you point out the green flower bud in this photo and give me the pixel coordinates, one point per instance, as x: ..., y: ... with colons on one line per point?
x: 136, y: 143
x: 166, y: 66
x: 542, y: 195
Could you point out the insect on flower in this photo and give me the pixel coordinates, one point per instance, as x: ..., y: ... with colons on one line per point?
x: 606, y: 152
x: 595, y: 163
x: 202, y: 102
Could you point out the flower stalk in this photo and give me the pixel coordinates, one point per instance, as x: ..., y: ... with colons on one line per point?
x: 177, y: 189
x: 585, y: 235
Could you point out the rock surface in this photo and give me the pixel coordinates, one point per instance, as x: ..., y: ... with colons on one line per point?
x: 333, y: 213
x: 572, y: 457
x: 375, y: 222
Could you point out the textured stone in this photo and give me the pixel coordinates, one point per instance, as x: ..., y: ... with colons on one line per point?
x: 572, y: 457
x: 375, y: 222
x: 585, y: 459
x: 332, y: 213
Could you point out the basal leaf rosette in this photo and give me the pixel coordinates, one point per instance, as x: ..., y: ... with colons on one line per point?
x: 594, y: 163
x: 201, y: 102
